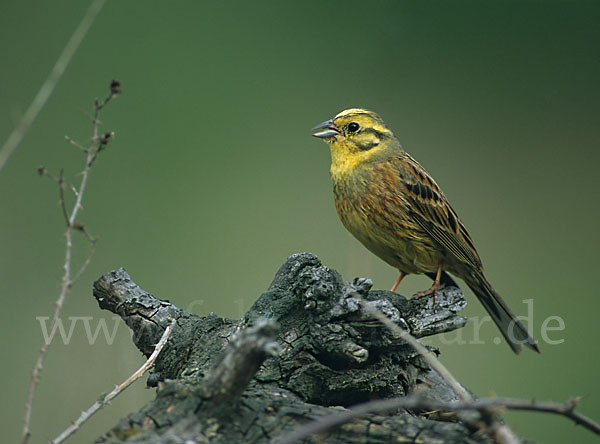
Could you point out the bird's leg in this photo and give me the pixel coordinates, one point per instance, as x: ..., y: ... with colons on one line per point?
x: 402, y: 274
x: 435, y: 287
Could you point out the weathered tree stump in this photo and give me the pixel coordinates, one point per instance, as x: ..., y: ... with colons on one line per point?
x: 305, y: 349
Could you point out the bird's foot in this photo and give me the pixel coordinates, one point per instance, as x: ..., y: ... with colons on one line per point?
x: 434, y: 289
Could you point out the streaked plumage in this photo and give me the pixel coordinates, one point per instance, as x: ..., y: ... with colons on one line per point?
x: 387, y: 200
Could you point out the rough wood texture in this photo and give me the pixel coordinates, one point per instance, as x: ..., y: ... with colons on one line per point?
x: 304, y: 349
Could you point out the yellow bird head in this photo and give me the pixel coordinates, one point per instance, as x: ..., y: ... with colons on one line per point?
x: 356, y: 138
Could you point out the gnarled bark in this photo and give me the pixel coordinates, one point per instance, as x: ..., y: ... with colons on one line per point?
x: 305, y: 348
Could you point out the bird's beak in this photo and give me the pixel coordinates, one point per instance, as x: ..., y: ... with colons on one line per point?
x: 329, y: 130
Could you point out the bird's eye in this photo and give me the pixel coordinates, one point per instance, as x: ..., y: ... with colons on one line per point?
x: 353, y: 127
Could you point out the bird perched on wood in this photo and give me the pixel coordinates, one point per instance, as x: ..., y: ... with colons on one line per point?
x: 387, y: 200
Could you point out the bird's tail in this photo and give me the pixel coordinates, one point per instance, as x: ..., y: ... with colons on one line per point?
x: 511, y: 328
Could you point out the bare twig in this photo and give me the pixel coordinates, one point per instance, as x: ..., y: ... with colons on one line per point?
x: 77, y: 144
x: 566, y: 409
x: 87, y: 261
x: 96, y: 406
x: 415, y: 402
x: 61, y: 192
x: 49, y: 84
x: 67, y: 279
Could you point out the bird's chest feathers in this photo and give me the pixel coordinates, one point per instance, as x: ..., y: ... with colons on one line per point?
x: 371, y: 208
x: 362, y: 192
x: 349, y: 189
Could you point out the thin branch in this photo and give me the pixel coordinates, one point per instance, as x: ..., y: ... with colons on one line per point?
x: 87, y: 261
x: 37, y: 369
x: 13, y: 140
x: 415, y: 402
x: 67, y: 279
x: 96, y: 406
x: 61, y: 193
x: 566, y: 409
x: 76, y: 144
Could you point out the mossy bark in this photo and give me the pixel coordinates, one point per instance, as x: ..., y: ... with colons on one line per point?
x: 305, y: 349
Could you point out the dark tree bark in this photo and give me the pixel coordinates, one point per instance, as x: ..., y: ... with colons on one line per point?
x: 305, y: 349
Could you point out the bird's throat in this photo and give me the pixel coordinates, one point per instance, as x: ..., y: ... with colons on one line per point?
x: 347, y: 165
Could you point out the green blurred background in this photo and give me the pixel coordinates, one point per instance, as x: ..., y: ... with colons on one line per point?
x: 213, y: 178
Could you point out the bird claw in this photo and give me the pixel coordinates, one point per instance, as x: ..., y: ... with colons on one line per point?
x: 434, y: 289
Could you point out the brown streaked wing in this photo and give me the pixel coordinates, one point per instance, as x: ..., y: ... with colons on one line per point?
x: 433, y: 213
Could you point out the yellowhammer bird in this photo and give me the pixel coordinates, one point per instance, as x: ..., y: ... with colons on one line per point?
x: 387, y: 200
